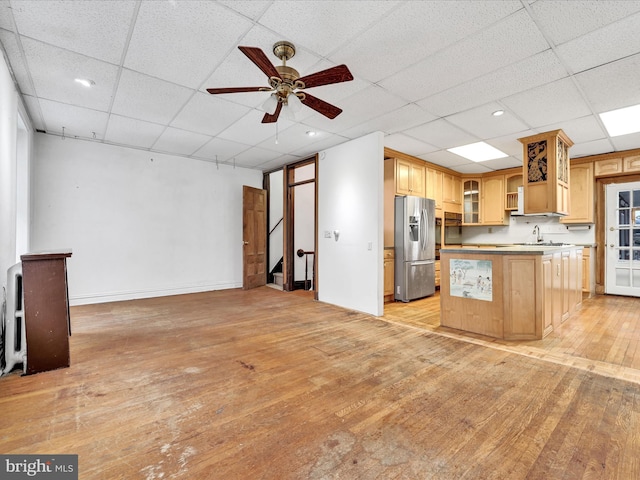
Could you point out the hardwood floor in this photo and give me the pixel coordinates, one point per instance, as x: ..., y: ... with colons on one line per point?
x: 263, y: 384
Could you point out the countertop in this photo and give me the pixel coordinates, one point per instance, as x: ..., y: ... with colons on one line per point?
x: 536, y: 249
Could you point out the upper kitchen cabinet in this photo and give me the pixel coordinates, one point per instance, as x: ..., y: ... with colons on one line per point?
x: 546, y: 173
x: 613, y: 165
x: 492, y: 200
x: 451, y: 193
x: 471, y: 201
x: 434, y: 188
x: 582, y: 197
x: 410, y: 177
x: 512, y: 182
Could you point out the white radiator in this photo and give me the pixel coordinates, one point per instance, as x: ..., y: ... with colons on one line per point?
x: 15, y: 338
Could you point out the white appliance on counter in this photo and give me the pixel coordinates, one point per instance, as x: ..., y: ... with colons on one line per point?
x: 415, y: 242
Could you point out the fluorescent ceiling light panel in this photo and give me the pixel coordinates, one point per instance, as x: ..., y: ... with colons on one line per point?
x: 478, y: 152
x: 622, y: 121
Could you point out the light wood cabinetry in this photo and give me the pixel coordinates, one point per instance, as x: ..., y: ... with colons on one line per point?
x: 532, y: 290
x: 471, y: 201
x: 451, y: 193
x: 434, y: 188
x: 410, y: 178
x: 617, y: 166
x: 588, y: 271
x: 582, y: 198
x: 611, y: 166
x: 546, y: 173
x: 437, y: 265
x: 492, y: 196
x: 388, y: 263
x: 512, y: 182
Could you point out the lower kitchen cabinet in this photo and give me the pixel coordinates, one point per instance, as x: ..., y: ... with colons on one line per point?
x: 389, y: 264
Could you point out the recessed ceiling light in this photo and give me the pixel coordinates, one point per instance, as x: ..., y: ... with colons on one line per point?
x: 85, y: 82
x: 311, y: 133
x: 497, y: 113
x: 478, y: 152
x: 622, y: 121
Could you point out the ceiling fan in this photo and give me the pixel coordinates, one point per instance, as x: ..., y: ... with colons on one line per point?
x: 286, y: 84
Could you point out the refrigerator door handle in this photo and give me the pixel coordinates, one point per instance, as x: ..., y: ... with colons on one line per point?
x: 424, y: 218
x: 420, y: 262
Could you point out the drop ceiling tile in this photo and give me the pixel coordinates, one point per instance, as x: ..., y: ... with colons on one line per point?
x: 445, y: 159
x: 626, y: 142
x: 591, y: 148
x: 20, y: 71
x: 6, y: 15
x: 564, y: 21
x: 208, y: 114
x: 502, y: 163
x: 580, y: 130
x: 220, y: 150
x: 279, y: 162
x: 407, y: 116
x: 415, y: 30
x: 249, y: 129
x: 612, y: 86
x: 370, y: 102
x: 550, y: 103
x: 403, y: 143
x: 506, y: 81
x: 129, y: 131
x: 488, y: 50
x: 442, y: 134
x: 95, y: 29
x: 327, y: 140
x: 473, y: 168
x: 510, y: 145
x: 605, y: 45
x: 53, y: 71
x: 160, y: 48
x: 182, y: 142
x: 249, y: 8
x: 147, y: 98
x: 324, y: 26
x: 293, y: 138
x: 480, y: 122
x: 77, y: 121
x: 253, y: 157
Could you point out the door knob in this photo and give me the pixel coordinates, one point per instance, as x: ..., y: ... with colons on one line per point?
x: 245, y: 243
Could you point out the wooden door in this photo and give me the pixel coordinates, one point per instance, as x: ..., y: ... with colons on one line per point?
x: 254, y: 235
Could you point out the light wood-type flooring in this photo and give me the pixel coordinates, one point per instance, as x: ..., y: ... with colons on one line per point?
x: 265, y: 384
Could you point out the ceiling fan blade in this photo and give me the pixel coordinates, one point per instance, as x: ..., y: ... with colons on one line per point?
x: 320, y: 106
x: 268, y: 118
x: 258, y: 57
x: 214, y: 91
x: 326, y: 77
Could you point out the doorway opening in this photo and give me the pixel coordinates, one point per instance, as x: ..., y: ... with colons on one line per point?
x: 292, y: 214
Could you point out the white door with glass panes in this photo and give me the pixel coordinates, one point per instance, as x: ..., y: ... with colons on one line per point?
x: 622, y: 234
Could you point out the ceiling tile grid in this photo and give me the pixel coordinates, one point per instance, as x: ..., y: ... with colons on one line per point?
x: 427, y: 74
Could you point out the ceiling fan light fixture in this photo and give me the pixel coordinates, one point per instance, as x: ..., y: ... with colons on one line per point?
x: 270, y: 104
x: 294, y: 103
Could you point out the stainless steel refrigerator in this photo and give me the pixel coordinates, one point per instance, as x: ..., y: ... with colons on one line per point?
x: 415, y: 248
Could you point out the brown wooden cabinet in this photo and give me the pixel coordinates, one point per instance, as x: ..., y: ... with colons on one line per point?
x: 46, y: 311
x: 511, y: 182
x: 546, y: 173
x: 389, y: 264
x: 582, y: 199
x: 471, y: 201
x: 451, y: 193
x: 434, y: 188
x: 437, y: 277
x: 410, y: 178
x: 492, y: 201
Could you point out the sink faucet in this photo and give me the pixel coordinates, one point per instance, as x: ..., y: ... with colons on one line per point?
x: 536, y: 230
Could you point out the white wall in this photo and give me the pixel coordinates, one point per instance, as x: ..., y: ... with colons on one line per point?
x: 276, y: 212
x: 15, y: 151
x: 350, y: 200
x: 304, y: 222
x: 139, y: 224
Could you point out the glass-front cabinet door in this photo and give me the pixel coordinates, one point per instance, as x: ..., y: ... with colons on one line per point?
x: 471, y: 201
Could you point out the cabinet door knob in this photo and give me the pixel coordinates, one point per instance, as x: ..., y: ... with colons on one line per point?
x: 245, y: 243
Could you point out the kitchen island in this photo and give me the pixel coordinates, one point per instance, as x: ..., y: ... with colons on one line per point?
x: 516, y: 292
